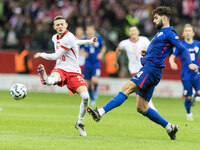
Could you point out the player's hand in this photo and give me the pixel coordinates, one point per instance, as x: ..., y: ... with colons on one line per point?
x: 174, y: 66
x: 116, y: 65
x: 94, y: 39
x: 100, y: 56
x: 85, y: 54
x: 194, y: 68
x: 37, y: 55
x: 143, y: 52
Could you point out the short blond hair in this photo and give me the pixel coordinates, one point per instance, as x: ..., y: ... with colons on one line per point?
x: 59, y: 17
x: 188, y: 25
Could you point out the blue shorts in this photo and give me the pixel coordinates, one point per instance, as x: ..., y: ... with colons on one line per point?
x: 147, y: 78
x: 88, y: 73
x: 189, y: 84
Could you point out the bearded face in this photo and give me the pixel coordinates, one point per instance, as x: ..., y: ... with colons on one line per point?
x: 158, y: 21
x: 159, y: 25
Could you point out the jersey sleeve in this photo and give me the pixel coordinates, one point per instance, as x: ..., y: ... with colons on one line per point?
x: 84, y: 42
x: 174, y: 39
x: 53, y: 56
x: 176, y: 52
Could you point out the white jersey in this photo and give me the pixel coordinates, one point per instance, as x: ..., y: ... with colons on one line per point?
x: 133, y: 50
x: 69, y: 59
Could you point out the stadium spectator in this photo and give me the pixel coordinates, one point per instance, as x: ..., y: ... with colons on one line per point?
x: 144, y: 82
x: 98, y: 12
x: 111, y: 70
x: 189, y: 78
x: 23, y: 62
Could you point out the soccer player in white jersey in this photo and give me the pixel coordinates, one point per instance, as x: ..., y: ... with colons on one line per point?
x: 67, y: 70
x: 133, y: 48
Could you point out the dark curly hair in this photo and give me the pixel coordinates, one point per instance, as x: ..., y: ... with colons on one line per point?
x: 163, y: 11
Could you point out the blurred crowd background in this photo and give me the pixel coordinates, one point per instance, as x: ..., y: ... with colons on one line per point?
x: 29, y: 22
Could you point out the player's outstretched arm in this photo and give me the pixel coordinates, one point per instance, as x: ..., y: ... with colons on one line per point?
x: 87, y: 42
x: 52, y: 56
x: 118, y: 52
x: 102, y: 52
x: 172, y: 63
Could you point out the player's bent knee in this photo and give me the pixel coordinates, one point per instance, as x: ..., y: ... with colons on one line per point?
x: 189, y: 98
x: 94, y: 80
x: 56, y: 74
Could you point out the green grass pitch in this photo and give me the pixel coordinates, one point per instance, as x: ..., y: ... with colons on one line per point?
x: 45, y: 121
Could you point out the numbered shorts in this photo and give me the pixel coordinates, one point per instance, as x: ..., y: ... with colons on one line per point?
x: 188, y: 85
x: 147, y: 78
x: 91, y: 72
x: 71, y: 79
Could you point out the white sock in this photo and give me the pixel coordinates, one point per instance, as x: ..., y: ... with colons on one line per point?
x: 168, y: 127
x: 52, y: 79
x: 85, y: 102
x: 152, y: 105
x: 101, y: 111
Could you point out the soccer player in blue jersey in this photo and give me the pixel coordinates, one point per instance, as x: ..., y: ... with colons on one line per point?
x: 91, y: 69
x: 190, y: 79
x: 144, y: 82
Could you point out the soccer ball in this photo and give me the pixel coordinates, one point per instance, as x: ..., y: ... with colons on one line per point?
x: 18, y: 91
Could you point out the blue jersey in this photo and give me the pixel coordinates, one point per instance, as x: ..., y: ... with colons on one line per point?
x: 93, y: 50
x: 186, y: 73
x: 161, y: 46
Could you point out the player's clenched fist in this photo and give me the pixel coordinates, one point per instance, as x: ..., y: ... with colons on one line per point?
x: 143, y: 52
x: 194, y: 67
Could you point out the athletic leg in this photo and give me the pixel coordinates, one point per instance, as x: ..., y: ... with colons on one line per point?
x: 51, y: 80
x: 143, y: 108
x: 116, y: 101
x: 82, y: 91
x: 187, y: 85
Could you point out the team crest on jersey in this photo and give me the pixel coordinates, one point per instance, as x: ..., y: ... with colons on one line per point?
x: 58, y: 45
x: 139, y: 74
x: 159, y: 34
x: 196, y: 49
x: 176, y: 37
x: 96, y: 44
x: 185, y: 92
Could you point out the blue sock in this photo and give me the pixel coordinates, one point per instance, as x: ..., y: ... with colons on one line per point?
x: 115, y: 101
x: 91, y: 94
x: 155, y: 117
x: 188, y: 105
x: 95, y: 93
